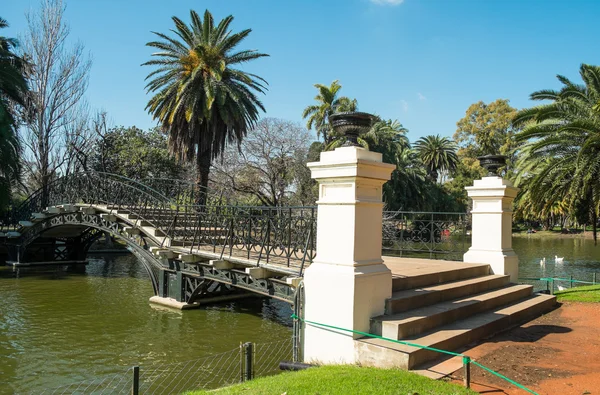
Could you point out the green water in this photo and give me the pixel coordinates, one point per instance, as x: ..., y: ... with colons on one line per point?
x: 59, y: 327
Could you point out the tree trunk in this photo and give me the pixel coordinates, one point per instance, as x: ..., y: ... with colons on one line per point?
x: 202, y: 171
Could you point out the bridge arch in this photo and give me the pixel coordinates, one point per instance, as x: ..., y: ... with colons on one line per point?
x: 87, y: 228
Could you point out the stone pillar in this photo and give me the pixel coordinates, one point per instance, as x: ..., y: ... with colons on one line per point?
x: 491, y: 232
x: 347, y: 283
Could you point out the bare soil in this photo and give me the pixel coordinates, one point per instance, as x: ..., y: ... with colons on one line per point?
x: 558, y: 353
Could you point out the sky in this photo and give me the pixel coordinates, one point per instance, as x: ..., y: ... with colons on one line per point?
x: 422, y: 62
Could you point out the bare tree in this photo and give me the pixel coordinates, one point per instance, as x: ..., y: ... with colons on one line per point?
x: 268, y: 162
x: 58, y: 81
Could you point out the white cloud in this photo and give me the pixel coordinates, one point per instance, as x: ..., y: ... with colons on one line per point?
x: 387, y: 2
x: 404, y: 105
x: 421, y: 96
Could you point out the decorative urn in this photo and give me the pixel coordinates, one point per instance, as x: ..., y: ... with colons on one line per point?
x: 351, y: 125
x: 492, y: 163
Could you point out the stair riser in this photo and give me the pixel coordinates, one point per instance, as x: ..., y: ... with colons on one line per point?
x: 399, y: 284
x: 421, y: 356
x: 427, y: 323
x: 394, y: 306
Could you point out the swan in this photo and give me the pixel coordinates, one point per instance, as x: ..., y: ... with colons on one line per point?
x: 561, y: 288
x: 543, y: 262
x: 558, y: 259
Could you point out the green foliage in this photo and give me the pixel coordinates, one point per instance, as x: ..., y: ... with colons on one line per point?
x: 486, y: 129
x: 559, y: 165
x: 328, y: 103
x: 136, y: 154
x: 343, y: 379
x: 580, y: 294
x: 467, y: 170
x: 199, y: 98
x: 438, y: 154
x: 13, y: 91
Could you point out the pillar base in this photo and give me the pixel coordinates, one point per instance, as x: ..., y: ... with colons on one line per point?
x: 343, y: 296
x: 501, y: 262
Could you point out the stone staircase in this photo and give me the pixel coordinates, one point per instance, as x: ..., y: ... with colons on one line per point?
x: 447, y: 310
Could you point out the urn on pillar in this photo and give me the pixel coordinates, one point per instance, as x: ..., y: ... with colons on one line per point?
x: 347, y: 283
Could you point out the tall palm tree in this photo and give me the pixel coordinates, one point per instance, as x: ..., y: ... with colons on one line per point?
x: 438, y: 154
x: 200, y: 99
x: 13, y: 91
x: 560, y: 156
x: 328, y: 103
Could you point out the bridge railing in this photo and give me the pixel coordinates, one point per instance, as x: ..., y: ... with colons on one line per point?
x: 269, y: 235
x: 435, y: 235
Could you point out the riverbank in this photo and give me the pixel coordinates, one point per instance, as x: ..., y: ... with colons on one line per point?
x: 558, y: 353
x: 555, y: 234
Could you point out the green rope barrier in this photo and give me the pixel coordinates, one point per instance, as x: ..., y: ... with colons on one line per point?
x: 294, y: 316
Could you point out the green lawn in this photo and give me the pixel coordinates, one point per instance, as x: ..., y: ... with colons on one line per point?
x: 589, y: 293
x: 343, y: 380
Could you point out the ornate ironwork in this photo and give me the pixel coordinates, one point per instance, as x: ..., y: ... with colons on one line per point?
x: 426, y: 234
x: 272, y: 287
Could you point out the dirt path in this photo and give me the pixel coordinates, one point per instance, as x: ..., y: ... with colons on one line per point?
x: 556, y: 354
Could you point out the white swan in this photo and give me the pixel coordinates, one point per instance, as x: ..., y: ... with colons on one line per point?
x: 558, y: 259
x: 561, y: 288
x: 543, y: 261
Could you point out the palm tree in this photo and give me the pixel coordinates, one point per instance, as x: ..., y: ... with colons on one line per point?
x: 200, y: 100
x: 328, y: 103
x: 13, y: 91
x: 560, y: 156
x: 438, y: 154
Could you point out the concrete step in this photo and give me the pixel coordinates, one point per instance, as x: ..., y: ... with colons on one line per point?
x: 419, y: 297
x: 446, y: 274
x: 417, y: 321
x: 451, y: 337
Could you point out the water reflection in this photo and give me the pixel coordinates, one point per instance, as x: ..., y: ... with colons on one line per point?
x: 60, y: 325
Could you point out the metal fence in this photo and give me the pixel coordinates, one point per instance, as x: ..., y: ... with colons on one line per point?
x: 553, y: 284
x: 435, y: 235
x: 249, y: 361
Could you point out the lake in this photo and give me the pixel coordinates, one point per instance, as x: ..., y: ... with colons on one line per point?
x: 60, y: 326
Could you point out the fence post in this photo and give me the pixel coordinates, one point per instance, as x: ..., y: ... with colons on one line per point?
x: 135, y: 388
x: 571, y: 281
x: 248, y: 368
x: 552, y: 286
x: 467, y: 367
x: 594, y: 279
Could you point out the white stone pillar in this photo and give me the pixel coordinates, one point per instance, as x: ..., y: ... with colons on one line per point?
x: 491, y: 232
x: 347, y: 283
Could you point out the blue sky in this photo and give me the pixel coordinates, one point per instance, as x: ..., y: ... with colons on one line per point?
x: 422, y: 62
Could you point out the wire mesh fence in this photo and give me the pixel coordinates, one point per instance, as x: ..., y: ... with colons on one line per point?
x: 120, y: 383
x: 213, y: 371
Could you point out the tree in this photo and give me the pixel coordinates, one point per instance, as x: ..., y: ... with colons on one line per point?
x: 13, y: 91
x: 270, y: 165
x: 438, y: 154
x: 487, y: 129
x: 58, y: 81
x: 560, y: 156
x: 134, y: 153
x: 200, y: 99
x: 328, y: 103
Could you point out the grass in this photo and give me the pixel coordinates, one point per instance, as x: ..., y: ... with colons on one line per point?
x: 344, y: 379
x: 589, y: 294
